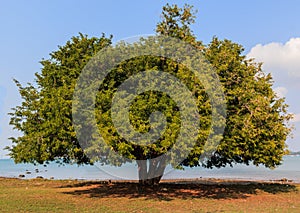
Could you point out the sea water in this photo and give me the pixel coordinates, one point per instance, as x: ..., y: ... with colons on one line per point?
x: 290, y: 169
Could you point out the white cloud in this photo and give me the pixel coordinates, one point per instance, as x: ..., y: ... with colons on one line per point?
x: 278, y: 57
x: 283, y: 62
x: 296, y: 118
x: 281, y: 91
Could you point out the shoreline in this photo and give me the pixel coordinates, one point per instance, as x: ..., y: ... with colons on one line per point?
x: 183, y: 181
x: 288, y: 172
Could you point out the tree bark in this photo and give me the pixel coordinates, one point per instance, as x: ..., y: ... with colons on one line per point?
x: 142, y: 171
x: 151, y: 175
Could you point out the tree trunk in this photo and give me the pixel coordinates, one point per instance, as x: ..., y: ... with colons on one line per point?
x: 142, y: 170
x: 151, y: 175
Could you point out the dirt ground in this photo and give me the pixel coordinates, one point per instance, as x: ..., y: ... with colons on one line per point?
x: 211, y: 195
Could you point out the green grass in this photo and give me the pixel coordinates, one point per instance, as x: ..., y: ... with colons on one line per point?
x: 75, y: 196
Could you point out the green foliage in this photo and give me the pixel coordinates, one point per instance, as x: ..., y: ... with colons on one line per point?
x: 176, y: 23
x: 256, y: 124
x: 45, y: 115
x: 257, y: 120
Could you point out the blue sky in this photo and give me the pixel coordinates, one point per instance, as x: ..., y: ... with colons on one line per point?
x: 30, y: 30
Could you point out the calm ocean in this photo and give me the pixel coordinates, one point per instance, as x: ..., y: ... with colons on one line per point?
x: 290, y: 169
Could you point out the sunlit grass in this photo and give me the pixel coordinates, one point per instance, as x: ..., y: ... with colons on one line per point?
x: 77, y: 196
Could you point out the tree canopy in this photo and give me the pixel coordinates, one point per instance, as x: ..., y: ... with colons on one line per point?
x: 256, y: 125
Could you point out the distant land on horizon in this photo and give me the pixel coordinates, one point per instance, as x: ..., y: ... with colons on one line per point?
x: 294, y: 153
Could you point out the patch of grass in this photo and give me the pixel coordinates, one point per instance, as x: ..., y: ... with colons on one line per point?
x: 89, y: 196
